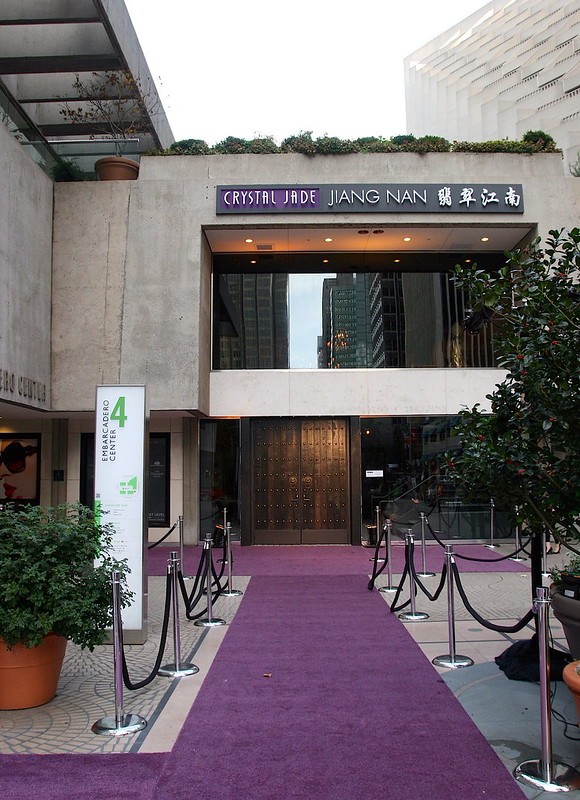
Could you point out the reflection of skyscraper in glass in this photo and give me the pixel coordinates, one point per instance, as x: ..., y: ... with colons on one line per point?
x: 387, y: 319
x: 254, y: 321
x: 345, y: 321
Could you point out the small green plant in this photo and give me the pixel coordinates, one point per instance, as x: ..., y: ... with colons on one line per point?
x: 55, y: 570
x: 65, y: 169
x: 575, y: 167
x: 572, y: 567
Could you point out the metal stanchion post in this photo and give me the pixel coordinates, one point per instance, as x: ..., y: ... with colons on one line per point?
x: 424, y: 573
x: 177, y: 669
x: 544, y: 773
x: 180, y: 521
x: 412, y: 615
x: 518, y: 538
x: 121, y: 724
x: 209, y: 621
x: 229, y: 591
x: 389, y: 587
x: 492, y: 545
x: 451, y: 659
x: 545, y: 571
x: 378, y: 527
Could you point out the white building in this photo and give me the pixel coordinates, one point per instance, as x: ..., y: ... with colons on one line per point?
x: 510, y: 67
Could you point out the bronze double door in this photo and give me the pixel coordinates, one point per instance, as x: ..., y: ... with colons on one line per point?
x: 300, y: 481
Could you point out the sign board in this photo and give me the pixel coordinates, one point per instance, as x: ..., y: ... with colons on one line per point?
x: 394, y: 198
x: 374, y: 473
x: 119, y: 486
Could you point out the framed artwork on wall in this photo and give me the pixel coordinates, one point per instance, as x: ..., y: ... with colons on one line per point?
x: 20, y: 467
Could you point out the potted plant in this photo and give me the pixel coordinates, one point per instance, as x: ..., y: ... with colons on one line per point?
x: 114, y: 105
x: 55, y: 570
x: 565, y: 601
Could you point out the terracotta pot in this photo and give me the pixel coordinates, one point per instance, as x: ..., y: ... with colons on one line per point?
x: 572, y: 681
x: 116, y: 168
x: 29, y: 675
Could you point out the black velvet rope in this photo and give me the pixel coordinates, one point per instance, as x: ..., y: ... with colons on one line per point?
x: 126, y: 679
x: 191, y: 600
x: 474, y: 558
x: 499, y: 628
x: 163, y: 538
x: 420, y: 584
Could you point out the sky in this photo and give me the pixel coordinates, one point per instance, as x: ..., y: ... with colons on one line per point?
x: 267, y: 68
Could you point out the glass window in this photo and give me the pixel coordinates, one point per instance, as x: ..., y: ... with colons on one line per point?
x: 401, y: 476
x: 219, y: 458
x: 343, y: 320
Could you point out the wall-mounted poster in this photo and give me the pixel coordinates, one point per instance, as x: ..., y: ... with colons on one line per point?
x: 20, y: 467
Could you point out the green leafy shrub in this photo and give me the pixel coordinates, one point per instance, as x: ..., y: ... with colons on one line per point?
x: 263, y: 145
x: 190, y: 147
x: 233, y: 145
x: 331, y: 145
x: 302, y: 143
x: 49, y: 581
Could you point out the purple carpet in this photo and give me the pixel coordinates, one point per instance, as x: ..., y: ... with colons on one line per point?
x: 113, y: 776
x: 335, y: 560
x: 319, y: 693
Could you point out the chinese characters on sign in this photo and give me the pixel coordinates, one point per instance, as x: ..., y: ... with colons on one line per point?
x: 395, y: 198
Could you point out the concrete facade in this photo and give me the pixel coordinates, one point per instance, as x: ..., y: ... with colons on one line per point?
x: 25, y: 265
x: 127, y: 296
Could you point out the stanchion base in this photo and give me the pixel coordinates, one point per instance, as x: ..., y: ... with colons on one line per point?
x: 563, y: 778
x: 453, y: 663
x: 426, y: 574
x: 209, y: 623
x: 231, y: 593
x: 171, y: 671
x: 188, y: 577
x: 130, y: 723
x: 409, y: 616
x: 388, y: 588
x: 517, y: 558
x: 491, y: 546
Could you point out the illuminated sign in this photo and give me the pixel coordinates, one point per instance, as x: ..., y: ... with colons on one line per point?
x: 407, y: 198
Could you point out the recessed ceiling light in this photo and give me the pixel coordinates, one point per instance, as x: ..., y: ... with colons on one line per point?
x: 484, y: 239
x: 253, y: 261
x: 363, y: 232
x: 328, y: 239
x: 378, y: 230
x: 249, y: 241
x: 397, y: 260
x: 407, y: 239
x: 325, y: 261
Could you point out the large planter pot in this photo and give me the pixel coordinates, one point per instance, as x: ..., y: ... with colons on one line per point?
x: 567, y: 612
x: 29, y: 675
x: 116, y: 168
x: 572, y: 681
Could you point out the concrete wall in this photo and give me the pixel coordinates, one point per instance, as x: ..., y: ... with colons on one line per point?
x: 133, y: 272
x: 25, y: 267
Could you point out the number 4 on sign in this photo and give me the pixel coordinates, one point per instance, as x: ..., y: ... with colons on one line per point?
x: 128, y: 487
x: 118, y: 412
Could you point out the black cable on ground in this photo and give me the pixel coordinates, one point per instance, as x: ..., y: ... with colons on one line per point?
x: 474, y: 558
x: 126, y: 680
x: 163, y: 538
x: 499, y: 628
